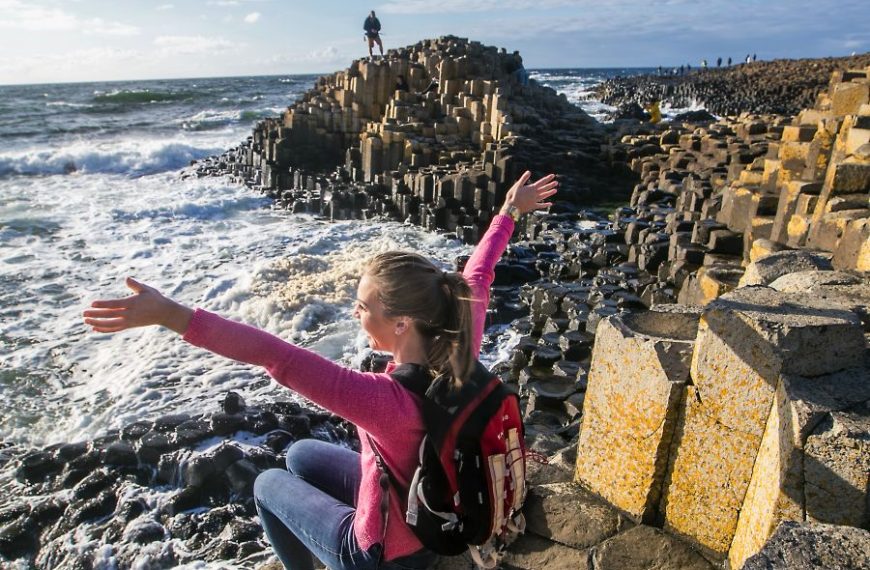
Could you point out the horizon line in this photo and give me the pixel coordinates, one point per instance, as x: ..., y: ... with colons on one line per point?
x: 321, y: 74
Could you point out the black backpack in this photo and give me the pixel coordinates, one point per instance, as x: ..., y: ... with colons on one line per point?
x: 469, y: 485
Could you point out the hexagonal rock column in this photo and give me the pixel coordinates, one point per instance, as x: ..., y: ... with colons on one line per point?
x: 813, y: 459
x: 747, y: 340
x: 640, y: 365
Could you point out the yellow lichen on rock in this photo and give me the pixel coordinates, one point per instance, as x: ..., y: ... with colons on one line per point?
x: 638, y: 370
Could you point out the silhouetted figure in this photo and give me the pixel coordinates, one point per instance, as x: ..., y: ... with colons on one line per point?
x: 748, y: 58
x: 718, y: 62
x: 703, y: 65
x: 372, y: 26
x: 753, y: 57
x: 660, y: 70
x: 729, y: 61
x: 682, y: 70
x: 401, y: 84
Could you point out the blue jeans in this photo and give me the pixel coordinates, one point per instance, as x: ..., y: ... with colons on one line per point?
x: 310, y: 509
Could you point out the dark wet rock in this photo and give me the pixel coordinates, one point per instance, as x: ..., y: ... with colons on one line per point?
x: 298, y: 425
x: 14, y: 511
x: 544, y: 358
x: 184, y: 500
x: 198, y: 470
x: 119, y: 453
x: 241, y: 476
x: 181, y: 526
x: 629, y: 111
x: 168, y: 469
x: 100, y: 506
x: 153, y: 445
x: 70, y: 451
x: 192, y: 432
x: 17, y: 539
x: 130, y: 509
x: 278, y: 440
x: 240, y: 530
x: 696, y: 117
x: 87, y: 461
x: 261, y: 422
x: 91, y: 485
x: 233, y: 403
x: 169, y: 422
x: 226, y: 424
x: 72, y: 476
x: 225, y: 455
x: 136, y: 430
x: 144, y: 531
x: 36, y: 466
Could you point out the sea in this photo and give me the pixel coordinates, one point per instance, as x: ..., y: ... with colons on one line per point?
x: 95, y: 187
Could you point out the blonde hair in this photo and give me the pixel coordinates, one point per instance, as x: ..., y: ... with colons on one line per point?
x: 438, y: 302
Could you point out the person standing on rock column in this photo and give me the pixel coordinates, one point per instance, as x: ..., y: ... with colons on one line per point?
x: 372, y: 26
x: 328, y: 500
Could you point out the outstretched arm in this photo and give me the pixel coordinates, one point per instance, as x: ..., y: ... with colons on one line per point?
x: 144, y: 308
x: 480, y: 269
x: 355, y: 396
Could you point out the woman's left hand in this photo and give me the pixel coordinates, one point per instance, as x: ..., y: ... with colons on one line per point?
x: 528, y: 197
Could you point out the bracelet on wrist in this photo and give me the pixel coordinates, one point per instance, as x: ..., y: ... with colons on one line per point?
x: 512, y: 211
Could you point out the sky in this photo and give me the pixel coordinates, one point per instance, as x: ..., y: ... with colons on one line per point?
x: 52, y: 41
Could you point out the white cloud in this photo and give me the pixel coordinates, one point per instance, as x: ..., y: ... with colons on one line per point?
x: 17, y: 15
x: 193, y: 45
x: 252, y: 17
x: 74, y: 65
x: 326, y: 55
x: 98, y: 26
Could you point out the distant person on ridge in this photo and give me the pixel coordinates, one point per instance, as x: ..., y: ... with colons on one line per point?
x: 729, y: 61
x: 718, y: 62
x: 372, y: 26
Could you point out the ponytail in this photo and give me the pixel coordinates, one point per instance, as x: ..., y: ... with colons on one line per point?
x: 451, y: 349
x: 439, y: 304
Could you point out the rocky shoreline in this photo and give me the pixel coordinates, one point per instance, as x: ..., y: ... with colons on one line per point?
x: 725, y: 300
x: 782, y: 86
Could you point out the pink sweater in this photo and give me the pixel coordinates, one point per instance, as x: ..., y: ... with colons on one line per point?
x: 376, y: 404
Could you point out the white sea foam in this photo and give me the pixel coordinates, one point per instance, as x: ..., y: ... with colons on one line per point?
x: 199, y: 240
x: 132, y: 157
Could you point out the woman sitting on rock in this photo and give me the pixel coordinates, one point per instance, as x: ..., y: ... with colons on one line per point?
x: 327, y: 501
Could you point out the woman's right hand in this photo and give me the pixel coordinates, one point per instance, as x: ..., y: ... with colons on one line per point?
x: 528, y: 197
x: 145, y: 307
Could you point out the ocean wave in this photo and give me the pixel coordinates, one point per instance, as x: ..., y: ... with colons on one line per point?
x: 217, y: 210
x: 128, y: 96
x: 132, y: 158
x: 212, y: 119
x: 69, y: 105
